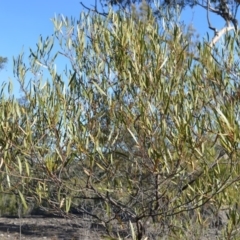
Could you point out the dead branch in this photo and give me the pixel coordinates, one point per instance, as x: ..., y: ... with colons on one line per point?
x: 220, y: 34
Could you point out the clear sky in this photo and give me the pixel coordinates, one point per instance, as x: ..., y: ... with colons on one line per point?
x: 22, y: 22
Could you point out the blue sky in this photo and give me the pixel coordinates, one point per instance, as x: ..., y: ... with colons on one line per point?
x: 22, y: 22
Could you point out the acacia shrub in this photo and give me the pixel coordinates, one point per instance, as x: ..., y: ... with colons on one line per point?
x: 130, y: 130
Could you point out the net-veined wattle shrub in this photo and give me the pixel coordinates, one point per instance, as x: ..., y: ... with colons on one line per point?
x: 141, y: 125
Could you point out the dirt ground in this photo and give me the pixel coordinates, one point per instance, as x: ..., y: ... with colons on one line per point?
x: 54, y: 228
x: 48, y: 228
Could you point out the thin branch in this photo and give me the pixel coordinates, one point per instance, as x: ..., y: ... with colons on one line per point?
x: 95, y: 10
x: 209, y: 8
x: 209, y: 23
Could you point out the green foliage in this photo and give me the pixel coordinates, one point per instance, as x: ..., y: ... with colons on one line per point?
x: 8, y: 205
x: 3, y: 60
x: 135, y: 131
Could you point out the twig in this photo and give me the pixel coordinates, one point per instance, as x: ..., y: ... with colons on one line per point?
x: 209, y: 23
x: 95, y: 10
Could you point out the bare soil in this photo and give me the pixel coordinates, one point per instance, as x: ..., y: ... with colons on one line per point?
x: 48, y: 228
x: 55, y: 228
